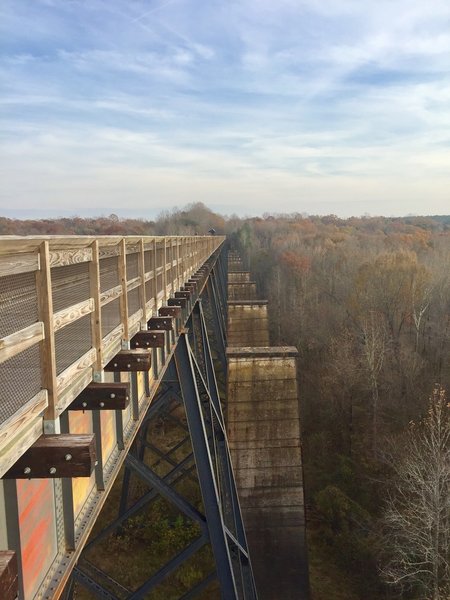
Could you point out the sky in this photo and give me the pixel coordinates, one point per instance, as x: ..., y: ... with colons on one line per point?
x: 133, y: 107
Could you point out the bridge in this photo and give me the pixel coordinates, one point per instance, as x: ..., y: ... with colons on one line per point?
x: 102, y: 340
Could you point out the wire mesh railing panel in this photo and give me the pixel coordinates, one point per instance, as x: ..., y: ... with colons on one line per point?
x: 109, y: 273
x: 20, y: 380
x: 159, y: 253
x: 72, y: 342
x: 110, y: 316
x: 134, y: 301
x: 132, y: 266
x: 18, y: 302
x: 70, y: 285
x: 150, y: 289
x: 169, y: 253
x: 148, y: 260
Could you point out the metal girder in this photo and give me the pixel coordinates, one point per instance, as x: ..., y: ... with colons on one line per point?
x: 141, y: 503
x: 169, y: 567
x: 217, y: 324
x: 164, y: 489
x: 210, y: 493
x: 189, y: 383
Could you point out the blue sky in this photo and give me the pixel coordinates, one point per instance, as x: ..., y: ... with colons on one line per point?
x: 251, y: 106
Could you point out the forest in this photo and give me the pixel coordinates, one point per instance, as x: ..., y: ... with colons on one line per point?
x: 367, y: 303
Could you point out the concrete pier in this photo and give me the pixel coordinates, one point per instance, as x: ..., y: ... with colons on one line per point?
x: 248, y: 323
x: 238, y: 276
x: 263, y: 425
x: 245, y: 290
x: 264, y: 438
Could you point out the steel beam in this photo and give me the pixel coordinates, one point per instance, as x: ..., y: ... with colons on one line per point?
x: 203, y: 460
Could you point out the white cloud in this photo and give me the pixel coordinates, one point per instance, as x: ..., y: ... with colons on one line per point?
x: 319, y: 101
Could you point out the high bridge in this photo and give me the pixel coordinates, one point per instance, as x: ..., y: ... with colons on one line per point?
x: 101, y: 338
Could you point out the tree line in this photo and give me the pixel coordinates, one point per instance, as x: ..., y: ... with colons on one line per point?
x: 367, y: 303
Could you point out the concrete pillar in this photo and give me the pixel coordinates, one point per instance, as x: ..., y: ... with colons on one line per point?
x: 248, y: 323
x: 234, y: 263
x: 239, y: 277
x: 242, y: 291
x: 264, y: 438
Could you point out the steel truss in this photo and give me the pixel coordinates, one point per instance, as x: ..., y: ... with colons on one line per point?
x: 187, y: 401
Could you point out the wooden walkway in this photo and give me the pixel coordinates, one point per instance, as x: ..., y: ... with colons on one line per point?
x: 79, y: 368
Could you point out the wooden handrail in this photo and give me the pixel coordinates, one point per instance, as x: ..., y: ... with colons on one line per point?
x: 137, y: 296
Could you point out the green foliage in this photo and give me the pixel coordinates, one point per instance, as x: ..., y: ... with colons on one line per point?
x: 346, y: 528
x: 341, y: 515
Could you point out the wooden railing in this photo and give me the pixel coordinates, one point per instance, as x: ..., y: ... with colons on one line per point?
x: 67, y: 306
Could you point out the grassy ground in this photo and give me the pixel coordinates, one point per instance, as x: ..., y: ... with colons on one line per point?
x: 152, y: 537
x: 327, y: 580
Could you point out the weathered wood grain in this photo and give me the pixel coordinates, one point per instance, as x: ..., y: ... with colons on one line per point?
x: 54, y: 456
x: 96, y: 316
x: 161, y: 323
x: 123, y: 280
x: 9, y: 575
x: 65, y: 377
x: 73, y: 313
x: 110, y: 295
x: 135, y: 318
x: 170, y: 311
x: 13, y: 264
x: 16, y: 445
x: 108, y: 251
x: 21, y: 340
x: 133, y: 329
x: 45, y: 305
x: 74, y: 387
x: 133, y: 283
x: 29, y: 411
x: 130, y: 360
x: 63, y: 258
x: 142, y: 290
x: 111, y: 344
x: 103, y: 396
x: 148, y: 339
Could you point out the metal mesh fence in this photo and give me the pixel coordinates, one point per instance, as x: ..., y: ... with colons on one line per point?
x: 159, y: 254
x: 18, y: 302
x: 134, y: 302
x: 159, y: 283
x: 148, y: 260
x: 132, y: 266
x: 20, y: 380
x: 110, y: 316
x: 109, y: 273
x: 150, y: 289
x: 70, y: 285
x: 72, y: 342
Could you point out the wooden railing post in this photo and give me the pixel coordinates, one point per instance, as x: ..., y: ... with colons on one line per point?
x: 155, y: 278
x: 96, y: 317
x: 142, y: 292
x: 164, y: 261
x: 48, y: 362
x: 124, y: 295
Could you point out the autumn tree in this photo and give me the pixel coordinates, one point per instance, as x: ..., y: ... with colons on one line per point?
x: 374, y: 348
x: 417, y: 516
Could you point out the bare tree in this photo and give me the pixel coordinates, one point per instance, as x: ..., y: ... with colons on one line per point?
x: 417, y: 516
x: 375, y: 340
x: 421, y: 290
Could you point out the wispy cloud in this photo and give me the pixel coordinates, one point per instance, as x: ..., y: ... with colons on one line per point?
x: 341, y: 105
